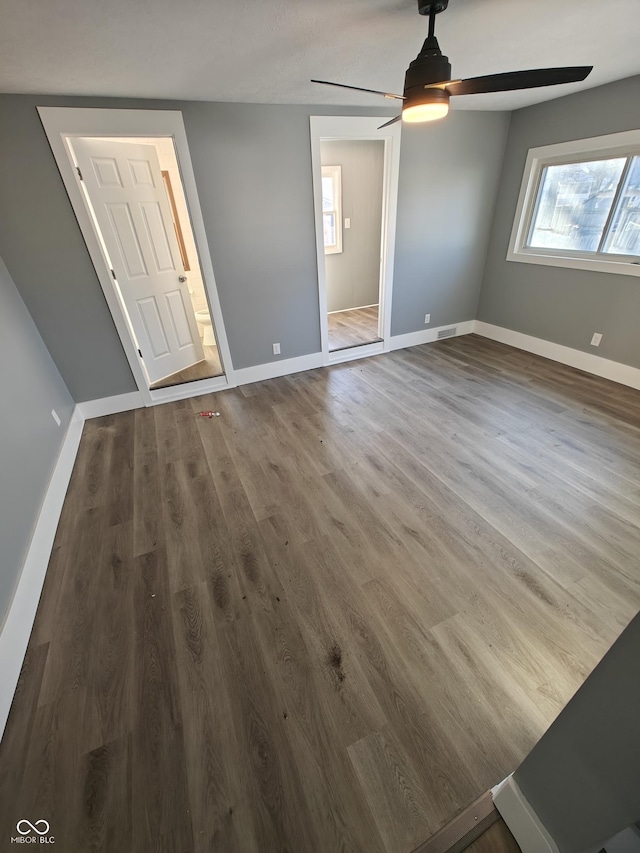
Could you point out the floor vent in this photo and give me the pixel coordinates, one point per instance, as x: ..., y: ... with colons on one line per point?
x: 447, y: 333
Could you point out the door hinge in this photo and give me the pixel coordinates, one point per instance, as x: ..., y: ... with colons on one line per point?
x: 79, y: 173
x: 113, y: 275
x: 139, y: 353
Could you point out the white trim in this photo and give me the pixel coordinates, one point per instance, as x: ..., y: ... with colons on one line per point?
x: 260, y: 372
x: 358, y: 127
x: 273, y: 369
x: 524, y: 824
x: 427, y: 336
x: 355, y: 308
x: 189, y: 389
x: 60, y: 123
x: 352, y: 353
x: 110, y: 405
x: 546, y: 155
x: 16, y: 630
x: 595, y: 364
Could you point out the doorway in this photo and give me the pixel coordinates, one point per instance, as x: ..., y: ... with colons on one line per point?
x: 134, y: 194
x: 352, y: 189
x: 129, y: 178
x: 355, y: 180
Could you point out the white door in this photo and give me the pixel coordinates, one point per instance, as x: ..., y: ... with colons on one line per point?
x: 125, y: 186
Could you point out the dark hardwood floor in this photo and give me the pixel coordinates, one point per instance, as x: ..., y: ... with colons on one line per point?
x: 331, y: 618
x: 353, y: 328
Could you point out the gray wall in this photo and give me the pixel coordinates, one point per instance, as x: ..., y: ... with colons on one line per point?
x: 353, y: 275
x: 252, y: 164
x: 44, y: 251
x: 562, y: 305
x: 30, y: 440
x: 449, y: 175
x: 583, y: 776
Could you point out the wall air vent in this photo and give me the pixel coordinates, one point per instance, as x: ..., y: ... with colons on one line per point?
x: 447, y: 333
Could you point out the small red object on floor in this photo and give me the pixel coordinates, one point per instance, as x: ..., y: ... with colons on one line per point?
x: 209, y: 414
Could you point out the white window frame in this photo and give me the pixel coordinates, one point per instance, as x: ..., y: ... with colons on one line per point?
x: 598, y: 147
x: 335, y: 173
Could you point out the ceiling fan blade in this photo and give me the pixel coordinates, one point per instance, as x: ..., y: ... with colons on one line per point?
x: 512, y: 80
x: 393, y: 121
x: 358, y: 89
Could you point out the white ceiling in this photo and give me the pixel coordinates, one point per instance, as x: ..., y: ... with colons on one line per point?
x: 266, y: 51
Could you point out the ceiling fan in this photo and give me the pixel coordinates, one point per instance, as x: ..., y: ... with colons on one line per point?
x: 428, y: 84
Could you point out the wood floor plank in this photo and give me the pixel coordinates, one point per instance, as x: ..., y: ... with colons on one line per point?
x: 180, y: 519
x: 67, y: 661
x: 221, y: 811
x: 349, y: 701
x: 332, y: 617
x: 120, y: 475
x: 398, y: 801
x: 159, y: 781
x: 146, y: 483
x: 312, y: 682
x: 282, y: 818
x: 417, y: 723
x: 50, y: 787
x: 106, y: 821
x: 110, y: 669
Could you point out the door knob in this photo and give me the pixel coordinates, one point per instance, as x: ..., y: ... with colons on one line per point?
x: 182, y: 279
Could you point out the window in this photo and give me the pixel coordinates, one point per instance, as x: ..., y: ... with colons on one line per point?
x: 579, y: 206
x: 332, y: 209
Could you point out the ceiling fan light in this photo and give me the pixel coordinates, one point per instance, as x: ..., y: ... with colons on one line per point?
x: 424, y: 104
x: 425, y: 112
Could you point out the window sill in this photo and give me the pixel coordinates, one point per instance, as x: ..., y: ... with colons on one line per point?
x: 591, y: 264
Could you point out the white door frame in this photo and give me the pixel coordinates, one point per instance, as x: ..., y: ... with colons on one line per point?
x: 62, y: 122
x: 363, y: 128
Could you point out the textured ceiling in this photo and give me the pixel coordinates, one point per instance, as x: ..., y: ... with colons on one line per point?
x: 266, y: 51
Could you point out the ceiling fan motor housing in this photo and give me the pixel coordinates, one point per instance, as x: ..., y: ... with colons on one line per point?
x: 430, y: 66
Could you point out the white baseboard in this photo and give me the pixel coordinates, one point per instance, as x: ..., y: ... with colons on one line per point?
x: 111, y: 405
x: 428, y: 336
x: 524, y: 824
x: 355, y: 308
x: 595, y: 364
x: 260, y: 372
x: 273, y: 369
x: 617, y: 372
x: 16, y: 630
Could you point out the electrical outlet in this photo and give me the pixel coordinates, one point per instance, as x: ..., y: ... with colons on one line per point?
x: 56, y: 417
x: 595, y: 340
x: 276, y: 349
x: 427, y: 319
x: 347, y: 223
